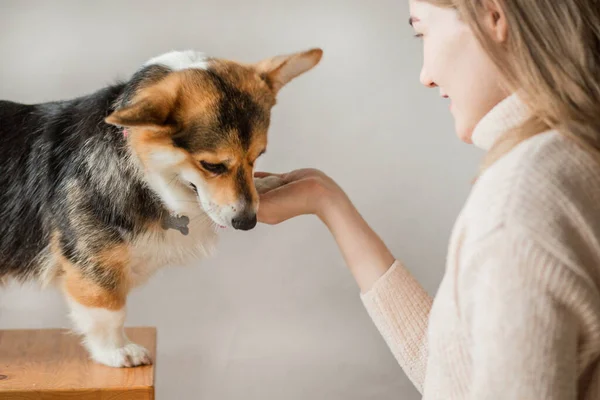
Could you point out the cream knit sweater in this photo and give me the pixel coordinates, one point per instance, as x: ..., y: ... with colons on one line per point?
x: 517, y: 314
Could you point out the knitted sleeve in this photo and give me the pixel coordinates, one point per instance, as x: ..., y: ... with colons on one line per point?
x: 399, y: 307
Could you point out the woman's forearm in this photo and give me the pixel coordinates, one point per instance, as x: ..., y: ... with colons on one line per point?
x: 366, y: 255
x: 397, y: 303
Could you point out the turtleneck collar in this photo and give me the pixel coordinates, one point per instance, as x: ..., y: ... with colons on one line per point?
x: 507, y: 114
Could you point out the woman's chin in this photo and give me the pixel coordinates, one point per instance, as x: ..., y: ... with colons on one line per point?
x: 464, y: 133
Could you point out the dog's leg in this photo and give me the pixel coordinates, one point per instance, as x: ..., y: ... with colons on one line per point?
x: 96, y: 296
x: 104, y: 337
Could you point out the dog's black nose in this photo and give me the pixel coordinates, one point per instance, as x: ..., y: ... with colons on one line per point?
x: 244, y: 222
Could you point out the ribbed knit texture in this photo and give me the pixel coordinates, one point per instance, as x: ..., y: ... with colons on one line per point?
x: 517, y: 314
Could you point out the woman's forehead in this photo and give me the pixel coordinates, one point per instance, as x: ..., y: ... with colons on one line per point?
x: 424, y: 12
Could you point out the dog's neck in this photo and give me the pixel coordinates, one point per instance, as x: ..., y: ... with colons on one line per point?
x: 174, y: 219
x: 179, y: 223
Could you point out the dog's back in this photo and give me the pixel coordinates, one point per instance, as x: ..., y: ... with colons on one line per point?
x: 42, y: 155
x: 22, y: 235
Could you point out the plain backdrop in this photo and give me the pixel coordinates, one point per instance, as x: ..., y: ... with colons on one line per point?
x: 274, y: 314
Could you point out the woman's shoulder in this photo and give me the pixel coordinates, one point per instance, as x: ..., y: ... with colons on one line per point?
x: 544, y: 195
x: 547, y: 183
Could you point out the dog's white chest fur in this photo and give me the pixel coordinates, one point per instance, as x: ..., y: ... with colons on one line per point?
x: 170, y: 247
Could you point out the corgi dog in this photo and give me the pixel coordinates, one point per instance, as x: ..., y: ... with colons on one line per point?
x: 98, y: 192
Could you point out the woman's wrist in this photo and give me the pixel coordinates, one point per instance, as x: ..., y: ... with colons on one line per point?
x: 366, y: 255
x: 333, y: 205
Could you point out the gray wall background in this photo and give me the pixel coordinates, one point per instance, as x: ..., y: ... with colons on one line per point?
x: 274, y: 314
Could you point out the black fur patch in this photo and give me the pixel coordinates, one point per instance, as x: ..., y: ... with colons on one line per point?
x: 196, y: 138
x: 237, y: 112
x: 142, y: 78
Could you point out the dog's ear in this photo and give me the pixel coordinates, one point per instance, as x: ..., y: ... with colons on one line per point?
x: 153, y: 111
x: 280, y: 70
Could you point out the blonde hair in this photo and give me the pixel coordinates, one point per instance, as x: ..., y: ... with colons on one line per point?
x: 552, y: 58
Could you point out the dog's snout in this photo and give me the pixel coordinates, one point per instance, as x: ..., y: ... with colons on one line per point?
x: 244, y: 221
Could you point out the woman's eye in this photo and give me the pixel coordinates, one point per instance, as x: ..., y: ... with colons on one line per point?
x: 216, y: 169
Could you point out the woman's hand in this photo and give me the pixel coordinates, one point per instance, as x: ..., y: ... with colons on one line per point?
x: 310, y: 191
x: 300, y: 192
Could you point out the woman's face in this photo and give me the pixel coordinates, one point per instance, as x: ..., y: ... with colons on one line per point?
x: 454, y: 62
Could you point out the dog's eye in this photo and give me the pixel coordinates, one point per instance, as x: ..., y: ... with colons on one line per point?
x: 216, y: 169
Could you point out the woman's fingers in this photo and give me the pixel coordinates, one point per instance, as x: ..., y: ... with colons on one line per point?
x: 284, y: 202
x: 267, y: 183
x: 262, y: 174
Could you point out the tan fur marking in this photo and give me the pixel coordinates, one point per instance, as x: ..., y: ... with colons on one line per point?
x: 115, y: 258
x: 280, y: 70
x: 258, y: 145
x: 247, y: 78
x: 146, y: 143
x: 89, y: 293
x: 224, y: 188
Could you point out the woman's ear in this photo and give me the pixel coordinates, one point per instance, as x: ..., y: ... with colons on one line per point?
x: 495, y: 21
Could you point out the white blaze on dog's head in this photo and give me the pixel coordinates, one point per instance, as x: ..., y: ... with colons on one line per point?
x: 180, y: 60
x: 199, y: 124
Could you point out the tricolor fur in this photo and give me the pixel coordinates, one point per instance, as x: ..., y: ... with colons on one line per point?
x: 98, y: 192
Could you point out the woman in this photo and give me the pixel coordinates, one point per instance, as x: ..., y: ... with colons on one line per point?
x: 517, y: 315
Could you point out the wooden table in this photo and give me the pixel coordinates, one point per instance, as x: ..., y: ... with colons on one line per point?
x: 51, y: 364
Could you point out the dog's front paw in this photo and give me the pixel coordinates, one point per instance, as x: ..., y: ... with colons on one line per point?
x: 130, y: 355
x: 267, y: 183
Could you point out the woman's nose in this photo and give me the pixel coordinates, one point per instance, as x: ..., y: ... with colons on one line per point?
x: 425, y: 79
